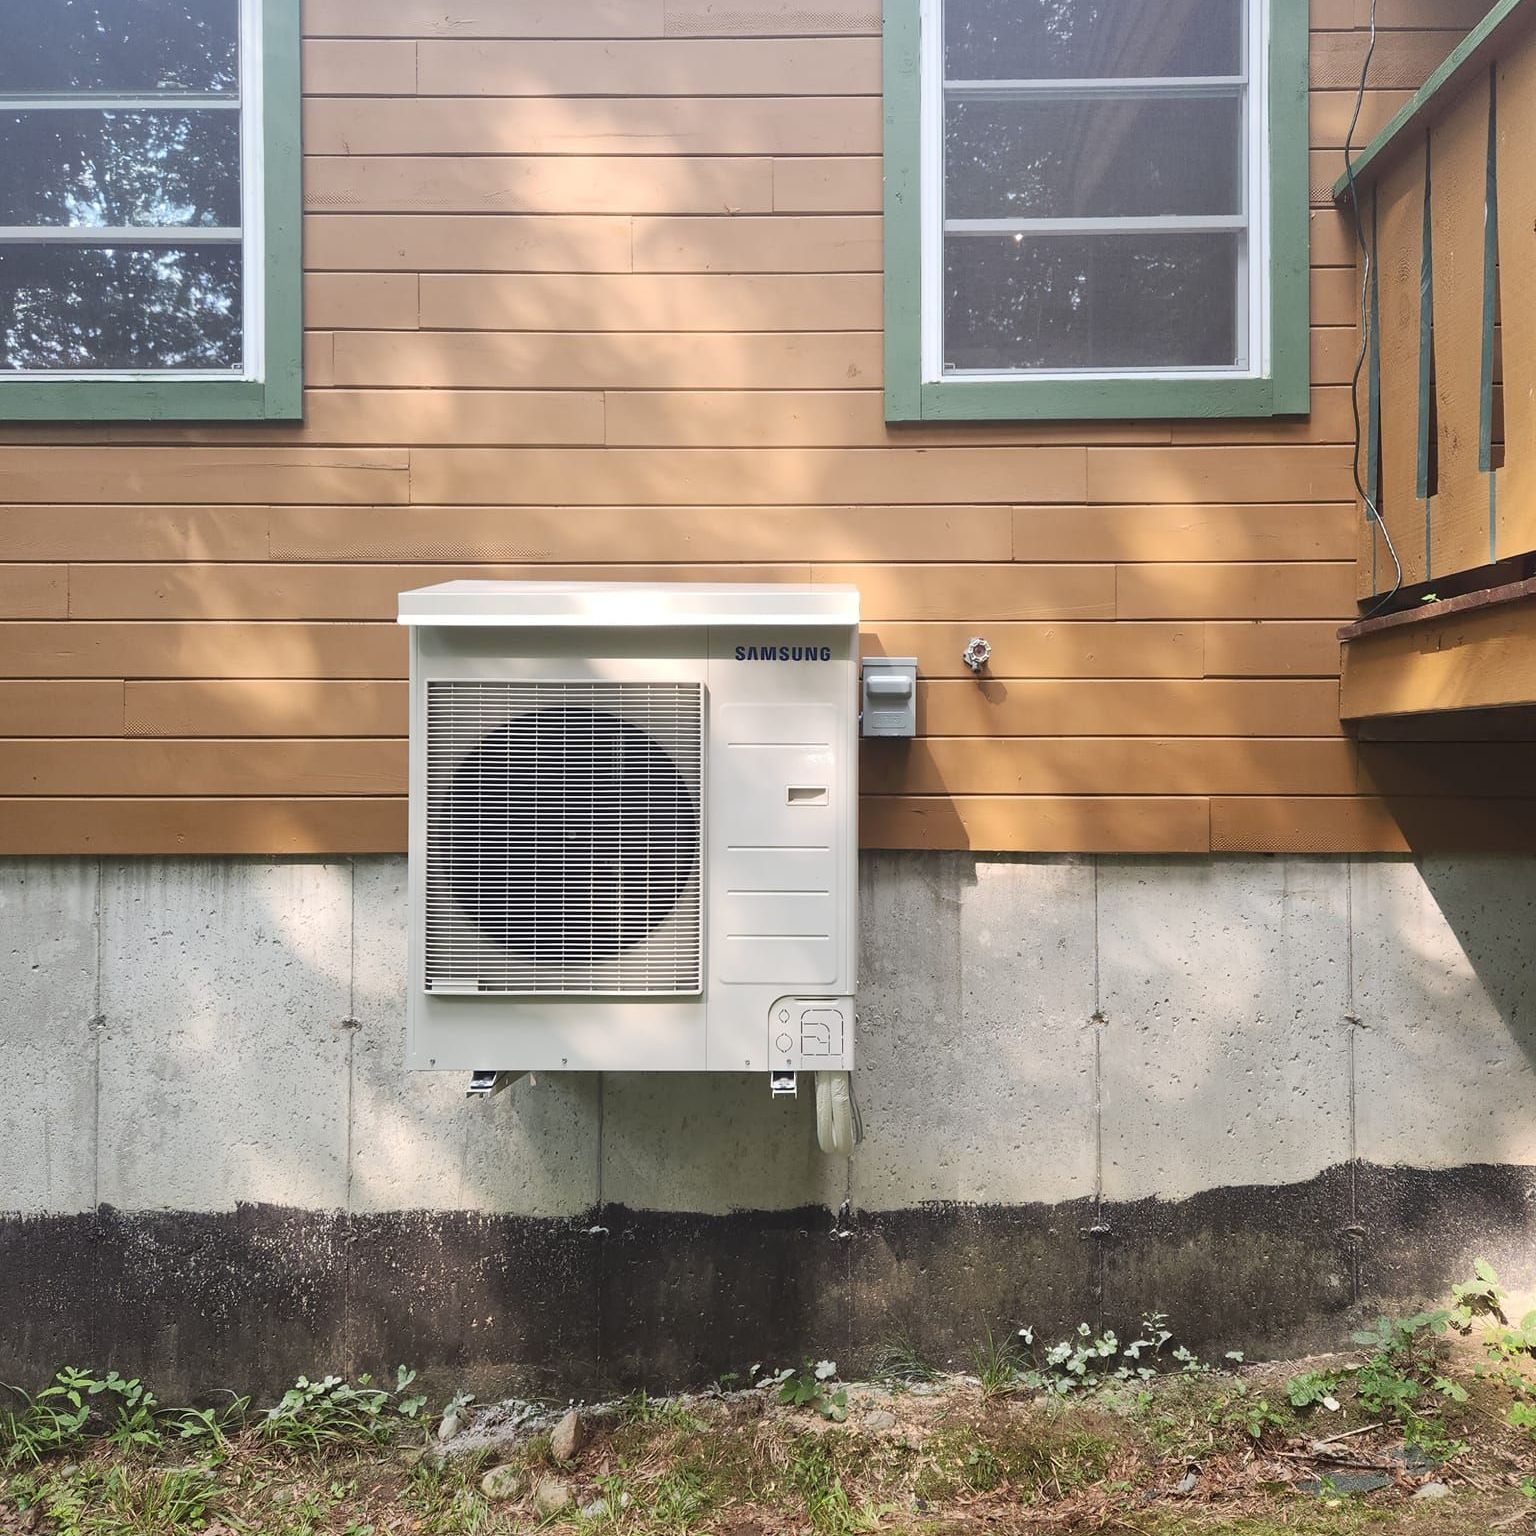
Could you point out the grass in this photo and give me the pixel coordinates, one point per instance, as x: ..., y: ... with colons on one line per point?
x: 334, y: 1458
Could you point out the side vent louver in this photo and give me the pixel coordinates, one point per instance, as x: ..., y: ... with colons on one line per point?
x: 564, y: 838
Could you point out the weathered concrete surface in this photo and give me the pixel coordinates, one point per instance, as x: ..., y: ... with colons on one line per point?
x: 1446, y: 989
x: 224, y: 1049
x: 1092, y: 1087
x: 976, y: 1051
x: 1225, y: 1052
x: 48, y: 994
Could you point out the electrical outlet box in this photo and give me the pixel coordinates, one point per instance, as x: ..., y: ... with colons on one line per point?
x: 888, y: 696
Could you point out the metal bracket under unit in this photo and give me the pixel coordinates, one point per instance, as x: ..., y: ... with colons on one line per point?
x: 784, y: 1084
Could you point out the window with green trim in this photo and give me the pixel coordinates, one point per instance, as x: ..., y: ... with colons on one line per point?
x: 1096, y: 208
x: 149, y: 218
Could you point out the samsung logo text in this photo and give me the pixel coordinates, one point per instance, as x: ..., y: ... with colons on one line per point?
x: 783, y: 653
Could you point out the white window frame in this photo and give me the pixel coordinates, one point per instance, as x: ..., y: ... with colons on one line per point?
x: 250, y: 235
x: 1254, y: 317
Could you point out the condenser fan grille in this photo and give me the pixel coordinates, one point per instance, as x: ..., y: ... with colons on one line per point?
x: 564, y: 831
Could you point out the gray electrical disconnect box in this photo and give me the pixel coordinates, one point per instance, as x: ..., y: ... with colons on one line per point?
x: 888, y: 696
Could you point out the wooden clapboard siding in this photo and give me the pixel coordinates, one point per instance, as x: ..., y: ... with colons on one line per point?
x: 595, y: 291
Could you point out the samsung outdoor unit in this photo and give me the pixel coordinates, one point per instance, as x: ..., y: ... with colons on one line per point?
x: 633, y: 831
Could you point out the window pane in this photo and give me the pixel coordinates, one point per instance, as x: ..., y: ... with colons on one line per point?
x: 1092, y: 157
x: 1091, y: 302
x: 119, y: 45
x: 123, y: 307
x: 120, y: 168
x: 1091, y: 39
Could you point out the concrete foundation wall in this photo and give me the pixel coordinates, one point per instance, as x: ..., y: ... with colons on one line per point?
x: 1258, y: 1094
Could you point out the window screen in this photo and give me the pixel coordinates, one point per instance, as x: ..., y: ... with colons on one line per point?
x: 1092, y: 207
x: 124, y: 244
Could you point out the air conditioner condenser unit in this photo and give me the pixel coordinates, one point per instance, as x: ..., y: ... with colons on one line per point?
x: 634, y: 831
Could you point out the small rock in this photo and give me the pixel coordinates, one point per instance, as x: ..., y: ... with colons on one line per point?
x: 1432, y: 1491
x: 598, y: 1508
x: 502, y: 1483
x: 551, y: 1496
x: 449, y: 1427
x: 880, y: 1419
x: 569, y: 1437
x: 1187, y: 1482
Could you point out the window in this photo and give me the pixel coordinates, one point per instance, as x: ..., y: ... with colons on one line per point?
x: 1095, y: 208
x: 149, y: 219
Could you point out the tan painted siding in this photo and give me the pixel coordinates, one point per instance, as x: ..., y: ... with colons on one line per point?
x: 595, y: 290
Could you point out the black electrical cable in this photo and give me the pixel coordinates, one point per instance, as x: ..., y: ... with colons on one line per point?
x: 1368, y: 273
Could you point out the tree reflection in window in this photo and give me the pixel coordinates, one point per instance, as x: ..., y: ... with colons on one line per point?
x: 1096, y: 207
x: 122, y: 247
x: 120, y: 308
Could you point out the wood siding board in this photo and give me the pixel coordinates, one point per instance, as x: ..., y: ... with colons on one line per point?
x: 673, y: 67
x: 620, y: 126
x: 1093, y: 707
x: 61, y: 708
x: 453, y: 360
x: 1265, y: 531
x: 361, y: 242
x: 1361, y: 824
x: 524, y: 184
x: 718, y: 302
x: 1249, y: 648
x: 285, y: 825
x: 200, y: 648
x: 55, y: 533
x: 1037, y: 824
x: 483, y: 18
x: 262, y: 707
x: 744, y: 477
x: 82, y: 767
x: 1113, y: 766
x: 252, y: 593
x: 203, y: 475
x: 34, y: 591
x: 367, y: 301
x: 645, y: 535
x: 1306, y: 590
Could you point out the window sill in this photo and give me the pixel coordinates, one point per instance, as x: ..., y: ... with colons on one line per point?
x: 86, y: 400
x: 1096, y: 400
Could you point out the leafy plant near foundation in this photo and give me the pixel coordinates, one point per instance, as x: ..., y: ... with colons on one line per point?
x: 1403, y: 1378
x: 1506, y: 1348
x: 809, y: 1388
x: 77, y: 1404
x: 314, y: 1414
x: 1316, y: 1389
x: 1087, y: 1360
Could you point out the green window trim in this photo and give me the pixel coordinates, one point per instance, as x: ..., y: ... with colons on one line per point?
x: 278, y: 394
x: 1284, y: 391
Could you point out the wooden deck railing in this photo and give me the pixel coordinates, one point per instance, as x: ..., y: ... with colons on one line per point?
x: 1446, y: 199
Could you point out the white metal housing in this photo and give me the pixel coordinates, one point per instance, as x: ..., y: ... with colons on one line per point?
x: 633, y: 826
